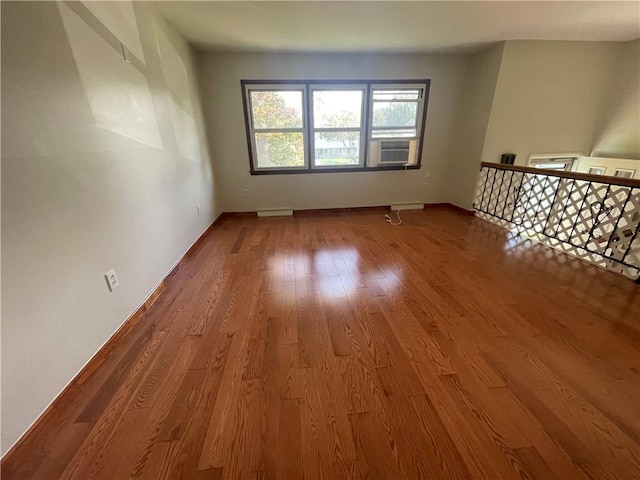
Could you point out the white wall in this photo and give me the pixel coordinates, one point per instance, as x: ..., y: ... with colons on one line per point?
x: 618, y: 133
x: 518, y: 96
x: 220, y: 75
x: 550, y: 97
x: 92, y: 179
x: 473, y: 116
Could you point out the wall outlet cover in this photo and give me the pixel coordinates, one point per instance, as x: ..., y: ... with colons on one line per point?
x: 112, y: 280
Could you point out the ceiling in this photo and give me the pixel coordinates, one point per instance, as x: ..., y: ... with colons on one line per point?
x: 394, y: 26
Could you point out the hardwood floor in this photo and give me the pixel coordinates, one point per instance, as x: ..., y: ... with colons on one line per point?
x: 337, y: 346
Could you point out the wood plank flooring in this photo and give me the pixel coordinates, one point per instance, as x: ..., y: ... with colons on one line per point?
x: 338, y: 346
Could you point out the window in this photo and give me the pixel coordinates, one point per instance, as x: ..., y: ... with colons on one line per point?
x: 277, y: 128
x: 338, y: 126
x: 394, y: 112
x: 597, y: 170
x: 319, y: 126
x: 552, y: 163
x: 624, y: 173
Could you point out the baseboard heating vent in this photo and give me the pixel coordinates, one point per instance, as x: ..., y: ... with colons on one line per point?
x: 407, y: 206
x: 275, y: 212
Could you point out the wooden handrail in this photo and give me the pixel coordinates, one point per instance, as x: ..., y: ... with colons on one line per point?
x: 625, y: 182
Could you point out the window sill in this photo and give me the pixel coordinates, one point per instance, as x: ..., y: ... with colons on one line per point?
x: 335, y: 170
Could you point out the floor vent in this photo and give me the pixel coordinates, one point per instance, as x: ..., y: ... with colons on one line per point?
x: 275, y: 212
x: 407, y: 206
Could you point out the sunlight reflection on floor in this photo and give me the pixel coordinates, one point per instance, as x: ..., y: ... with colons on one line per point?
x: 336, y: 273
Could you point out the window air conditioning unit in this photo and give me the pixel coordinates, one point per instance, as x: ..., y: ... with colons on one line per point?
x: 394, y: 152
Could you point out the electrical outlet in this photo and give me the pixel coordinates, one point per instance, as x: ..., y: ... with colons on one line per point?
x: 198, y: 208
x: 112, y: 280
x: 245, y: 193
x: 425, y: 185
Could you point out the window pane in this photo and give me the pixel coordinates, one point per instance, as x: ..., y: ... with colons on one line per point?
x: 337, y: 108
x: 276, y: 109
x: 551, y: 166
x: 404, y: 133
x: 389, y: 95
x: 337, y: 148
x: 281, y: 149
x: 395, y: 114
x: 624, y: 173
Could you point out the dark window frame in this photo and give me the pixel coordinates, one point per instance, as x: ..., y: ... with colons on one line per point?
x: 367, y: 127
